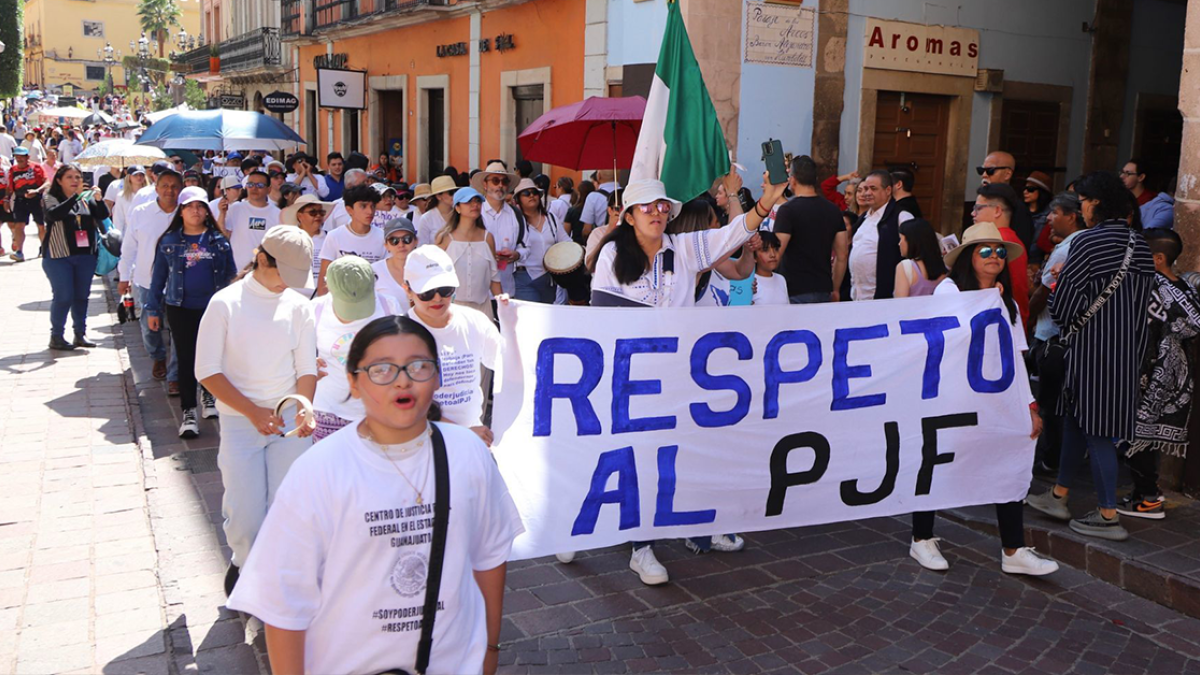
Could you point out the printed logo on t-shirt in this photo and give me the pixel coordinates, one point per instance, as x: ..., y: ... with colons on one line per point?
x: 196, y: 253
x: 341, y: 347
x: 457, y: 370
x: 259, y: 224
x: 409, y: 573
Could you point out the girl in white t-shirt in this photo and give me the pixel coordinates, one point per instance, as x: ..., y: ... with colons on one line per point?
x: 346, y: 550
x: 400, y: 239
x: 350, y: 304
x: 467, y: 340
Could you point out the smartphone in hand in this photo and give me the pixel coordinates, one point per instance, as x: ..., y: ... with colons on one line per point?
x: 773, y: 158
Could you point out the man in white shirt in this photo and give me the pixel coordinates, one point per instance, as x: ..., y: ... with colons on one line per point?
x: 500, y: 219
x: 560, y: 205
x: 595, y: 207
x: 876, y: 248
x: 338, y: 217
x: 139, y: 242
x: 7, y: 143
x: 150, y: 192
x: 245, y: 222
x: 358, y: 237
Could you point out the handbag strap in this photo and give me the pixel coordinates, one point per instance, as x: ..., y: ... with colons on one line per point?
x: 1109, y: 290
x: 437, y: 549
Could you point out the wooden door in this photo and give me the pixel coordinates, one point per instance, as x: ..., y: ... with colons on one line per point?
x: 1161, y: 139
x: 910, y: 133
x: 1029, y: 132
x: 529, y: 107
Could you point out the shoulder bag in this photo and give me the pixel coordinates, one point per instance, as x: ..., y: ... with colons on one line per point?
x: 437, y: 553
x: 1053, y: 363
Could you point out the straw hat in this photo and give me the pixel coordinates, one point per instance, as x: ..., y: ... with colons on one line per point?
x: 1040, y: 180
x: 525, y: 184
x: 420, y: 191
x: 984, y: 233
x: 442, y: 184
x: 493, y: 169
x: 288, y: 216
x: 647, y: 191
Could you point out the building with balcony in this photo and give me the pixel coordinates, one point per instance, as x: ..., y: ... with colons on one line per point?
x: 251, y: 62
x: 66, y: 41
x: 443, y: 82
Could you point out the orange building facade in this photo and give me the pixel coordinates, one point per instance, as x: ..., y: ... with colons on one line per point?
x: 446, y: 84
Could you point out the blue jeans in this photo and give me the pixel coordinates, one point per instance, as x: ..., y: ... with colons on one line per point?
x: 809, y: 298
x: 158, y: 342
x: 534, y: 290
x: 70, y: 283
x: 1103, y: 454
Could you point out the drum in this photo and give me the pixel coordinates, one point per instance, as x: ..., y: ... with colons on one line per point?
x: 564, y: 263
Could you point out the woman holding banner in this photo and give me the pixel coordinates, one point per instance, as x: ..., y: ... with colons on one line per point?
x: 640, y: 265
x: 980, y: 262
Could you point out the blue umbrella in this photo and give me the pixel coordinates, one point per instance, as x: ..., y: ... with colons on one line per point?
x: 221, y: 130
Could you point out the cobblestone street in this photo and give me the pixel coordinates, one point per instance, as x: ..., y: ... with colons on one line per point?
x: 112, y: 560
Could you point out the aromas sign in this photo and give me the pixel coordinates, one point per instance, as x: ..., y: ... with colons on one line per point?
x: 894, y: 45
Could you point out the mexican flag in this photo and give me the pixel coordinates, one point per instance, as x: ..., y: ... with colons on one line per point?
x: 681, y: 142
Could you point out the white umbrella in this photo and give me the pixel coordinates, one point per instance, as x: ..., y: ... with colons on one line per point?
x: 68, y: 113
x: 120, y: 152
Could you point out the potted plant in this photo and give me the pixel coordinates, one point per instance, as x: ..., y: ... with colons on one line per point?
x: 214, y: 59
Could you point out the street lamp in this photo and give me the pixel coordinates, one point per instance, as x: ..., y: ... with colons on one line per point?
x: 110, y: 57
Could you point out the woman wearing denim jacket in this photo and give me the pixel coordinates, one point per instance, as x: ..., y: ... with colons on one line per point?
x: 193, y: 261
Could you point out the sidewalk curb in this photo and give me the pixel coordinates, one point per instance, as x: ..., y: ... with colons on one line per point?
x: 1123, y: 571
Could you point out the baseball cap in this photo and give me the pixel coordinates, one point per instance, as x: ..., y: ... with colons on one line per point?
x: 230, y: 182
x: 403, y: 188
x: 429, y: 267
x: 351, y: 282
x: 383, y: 188
x: 465, y: 195
x: 161, y: 166
x: 400, y: 224
x: 193, y: 194
x: 20, y: 151
x: 292, y: 249
x: 129, y: 171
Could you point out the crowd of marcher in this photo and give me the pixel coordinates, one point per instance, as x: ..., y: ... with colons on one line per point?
x: 299, y: 301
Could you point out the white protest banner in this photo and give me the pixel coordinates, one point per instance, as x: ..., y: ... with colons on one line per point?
x: 621, y: 424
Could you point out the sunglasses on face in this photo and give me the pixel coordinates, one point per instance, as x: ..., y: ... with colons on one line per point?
x: 497, y: 181
x: 256, y: 185
x: 986, y: 252
x: 662, y: 206
x: 528, y: 193
x: 444, y: 291
x: 405, y: 239
x: 1031, y: 188
x: 313, y: 212
x: 989, y: 170
x: 383, y: 374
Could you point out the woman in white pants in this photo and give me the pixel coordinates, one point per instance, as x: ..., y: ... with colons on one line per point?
x: 256, y: 345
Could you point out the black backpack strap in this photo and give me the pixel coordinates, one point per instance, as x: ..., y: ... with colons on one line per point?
x: 437, y: 549
x: 520, y: 225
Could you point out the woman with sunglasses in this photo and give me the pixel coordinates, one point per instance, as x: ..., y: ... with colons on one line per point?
x: 347, y: 548
x: 400, y: 239
x: 308, y: 213
x: 473, y: 251
x: 467, y: 339
x: 980, y: 263
x: 540, y: 232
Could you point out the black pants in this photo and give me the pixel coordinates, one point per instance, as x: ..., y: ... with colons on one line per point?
x: 1010, y: 517
x: 1143, y: 467
x: 1049, y: 444
x: 185, y: 326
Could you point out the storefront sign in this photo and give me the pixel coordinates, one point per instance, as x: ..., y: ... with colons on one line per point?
x: 233, y: 101
x: 341, y: 88
x: 503, y: 43
x: 893, y: 45
x: 280, y: 102
x: 779, y: 35
x: 332, y: 61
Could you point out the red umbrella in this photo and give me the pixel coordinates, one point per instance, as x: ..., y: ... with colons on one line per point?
x: 592, y: 134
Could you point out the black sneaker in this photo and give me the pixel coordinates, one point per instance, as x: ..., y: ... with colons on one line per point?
x: 231, y: 579
x: 82, y: 341
x: 1096, y: 525
x: 1148, y: 507
x: 190, y: 428
x: 60, y: 345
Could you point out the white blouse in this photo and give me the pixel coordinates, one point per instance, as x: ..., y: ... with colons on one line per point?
x: 476, y: 269
x: 537, y: 242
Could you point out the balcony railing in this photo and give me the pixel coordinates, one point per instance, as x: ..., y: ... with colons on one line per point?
x: 258, y: 48
x: 196, y: 60
x: 334, y: 13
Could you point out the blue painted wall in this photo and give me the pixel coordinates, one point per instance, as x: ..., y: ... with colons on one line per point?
x: 635, y: 31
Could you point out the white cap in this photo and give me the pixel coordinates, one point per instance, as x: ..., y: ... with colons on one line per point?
x: 193, y: 194
x: 231, y: 181
x: 429, y: 267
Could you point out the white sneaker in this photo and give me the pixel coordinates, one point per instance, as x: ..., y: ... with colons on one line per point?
x: 1026, y: 561
x: 565, y: 558
x: 208, y: 405
x: 190, y: 427
x: 927, y: 553
x: 647, y: 566
x: 727, y: 543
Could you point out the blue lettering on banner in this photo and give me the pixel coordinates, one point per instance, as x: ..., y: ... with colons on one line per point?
x: 704, y: 415
x: 979, y: 326
x: 625, y: 495
x: 843, y: 372
x: 934, y: 330
x: 624, y: 388
x: 591, y: 357
x: 775, y: 375
x: 665, y: 513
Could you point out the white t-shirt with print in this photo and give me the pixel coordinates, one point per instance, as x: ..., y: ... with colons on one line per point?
x: 247, y: 225
x: 386, y: 284
x: 770, y: 290
x: 344, y: 554
x: 468, y: 341
x: 333, y: 345
x: 343, y: 241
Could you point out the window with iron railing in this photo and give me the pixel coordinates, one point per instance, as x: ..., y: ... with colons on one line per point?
x: 256, y: 49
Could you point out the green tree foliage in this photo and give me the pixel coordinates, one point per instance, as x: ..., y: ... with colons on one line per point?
x: 158, y: 17
x: 12, y: 33
x: 194, y: 96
